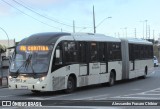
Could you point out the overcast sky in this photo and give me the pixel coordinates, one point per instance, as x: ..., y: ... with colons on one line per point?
x: 22, y: 18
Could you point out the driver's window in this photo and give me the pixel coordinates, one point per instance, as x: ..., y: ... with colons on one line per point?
x: 58, y: 55
x: 57, y: 59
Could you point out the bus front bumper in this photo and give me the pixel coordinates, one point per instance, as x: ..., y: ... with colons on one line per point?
x: 40, y: 87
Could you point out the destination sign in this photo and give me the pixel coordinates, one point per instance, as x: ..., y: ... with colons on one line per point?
x: 34, y: 48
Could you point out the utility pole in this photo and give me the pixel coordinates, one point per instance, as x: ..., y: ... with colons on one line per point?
x: 126, y: 31
x: 149, y: 31
x: 118, y: 35
x: 94, y: 25
x: 153, y: 36
x: 135, y: 32
x: 73, y: 26
x: 115, y: 34
x: 143, y: 29
x: 146, y: 28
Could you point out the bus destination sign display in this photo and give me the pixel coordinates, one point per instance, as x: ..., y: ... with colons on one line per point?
x: 34, y: 48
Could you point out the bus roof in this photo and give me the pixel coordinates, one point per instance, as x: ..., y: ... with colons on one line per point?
x: 94, y: 37
x: 51, y: 37
x: 138, y: 41
x: 42, y: 38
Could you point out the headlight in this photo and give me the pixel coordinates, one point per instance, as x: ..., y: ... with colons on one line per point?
x: 42, y: 78
x: 10, y: 78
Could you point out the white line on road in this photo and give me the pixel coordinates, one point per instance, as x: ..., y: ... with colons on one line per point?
x: 85, y: 107
x: 141, y: 93
x: 154, y: 90
x: 152, y: 73
x: 47, y: 98
x: 150, y: 94
x: 36, y: 98
x: 5, y: 107
x: 92, y: 97
x: 136, y: 89
x: 7, y: 96
x: 143, y: 98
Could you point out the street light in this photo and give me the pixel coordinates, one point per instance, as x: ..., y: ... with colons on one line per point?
x: 6, y: 34
x: 103, y: 21
x: 100, y: 23
x: 94, y: 24
x: 82, y: 29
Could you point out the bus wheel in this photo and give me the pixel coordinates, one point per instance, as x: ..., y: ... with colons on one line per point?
x: 111, y: 79
x: 35, y: 91
x: 70, y: 85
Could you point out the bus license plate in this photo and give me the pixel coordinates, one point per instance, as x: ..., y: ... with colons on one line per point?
x: 24, y: 87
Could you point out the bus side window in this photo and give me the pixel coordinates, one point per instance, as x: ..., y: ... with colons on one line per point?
x: 58, y: 54
x: 82, y: 57
x: 102, y: 52
x: 70, y: 52
x: 94, y: 52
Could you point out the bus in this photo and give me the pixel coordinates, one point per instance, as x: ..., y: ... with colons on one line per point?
x: 64, y: 61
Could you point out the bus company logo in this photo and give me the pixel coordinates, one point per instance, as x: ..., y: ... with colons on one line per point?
x: 6, y: 103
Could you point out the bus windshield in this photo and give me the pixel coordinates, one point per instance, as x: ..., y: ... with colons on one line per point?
x: 31, y: 59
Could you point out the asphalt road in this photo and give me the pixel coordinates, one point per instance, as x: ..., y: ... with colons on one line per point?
x: 136, y: 89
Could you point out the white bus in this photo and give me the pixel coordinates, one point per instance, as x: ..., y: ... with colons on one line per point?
x: 64, y: 61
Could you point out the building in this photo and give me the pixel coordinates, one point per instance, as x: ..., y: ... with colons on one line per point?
x: 4, y: 52
x: 6, y: 44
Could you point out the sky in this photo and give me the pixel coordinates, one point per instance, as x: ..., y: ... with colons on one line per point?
x: 22, y: 18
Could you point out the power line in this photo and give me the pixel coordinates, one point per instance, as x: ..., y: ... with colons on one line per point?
x: 43, y: 15
x: 39, y: 13
x: 30, y: 15
x: 27, y: 4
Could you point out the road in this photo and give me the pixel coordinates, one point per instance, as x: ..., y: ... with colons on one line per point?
x: 136, y: 89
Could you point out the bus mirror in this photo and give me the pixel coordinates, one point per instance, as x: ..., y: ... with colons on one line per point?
x: 57, y: 53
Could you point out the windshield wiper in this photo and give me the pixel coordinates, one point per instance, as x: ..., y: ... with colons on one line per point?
x: 26, y: 64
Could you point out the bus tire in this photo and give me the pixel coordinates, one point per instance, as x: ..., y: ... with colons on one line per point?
x: 35, y: 91
x: 70, y: 85
x: 111, y: 79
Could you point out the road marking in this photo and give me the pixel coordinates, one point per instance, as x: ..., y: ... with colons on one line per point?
x: 84, y: 107
x: 148, y: 98
x: 7, y: 96
x: 141, y: 93
x: 152, y: 73
x: 92, y: 97
x: 57, y: 96
x: 47, y: 98
x: 10, y: 107
x: 36, y: 98
x: 136, y: 89
x: 150, y: 91
x: 150, y: 94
